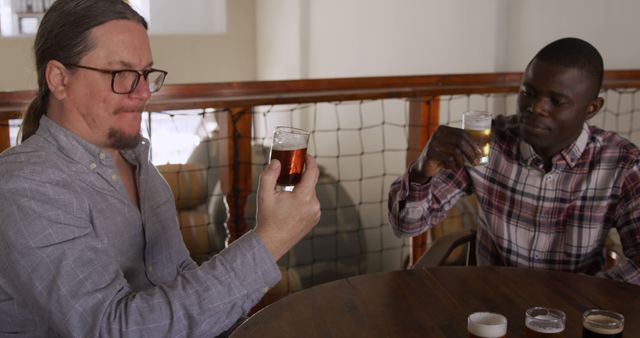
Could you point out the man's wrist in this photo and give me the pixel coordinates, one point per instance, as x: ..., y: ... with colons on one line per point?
x: 416, y: 176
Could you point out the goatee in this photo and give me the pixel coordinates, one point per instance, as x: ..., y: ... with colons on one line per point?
x: 121, y: 141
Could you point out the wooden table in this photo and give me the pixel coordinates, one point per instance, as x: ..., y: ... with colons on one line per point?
x: 435, y: 302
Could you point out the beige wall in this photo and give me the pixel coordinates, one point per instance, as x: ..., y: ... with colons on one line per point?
x: 188, y: 59
x: 16, y: 69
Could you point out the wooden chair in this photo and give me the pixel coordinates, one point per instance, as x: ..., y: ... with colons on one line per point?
x: 440, y: 253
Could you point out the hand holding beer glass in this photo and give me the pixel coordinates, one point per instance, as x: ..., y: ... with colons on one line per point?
x: 602, y: 324
x: 486, y: 325
x: 543, y: 322
x: 290, y: 148
x: 477, y: 124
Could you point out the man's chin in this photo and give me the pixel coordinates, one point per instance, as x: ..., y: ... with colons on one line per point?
x: 122, y: 141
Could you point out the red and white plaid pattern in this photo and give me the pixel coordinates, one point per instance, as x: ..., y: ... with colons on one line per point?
x: 556, y: 220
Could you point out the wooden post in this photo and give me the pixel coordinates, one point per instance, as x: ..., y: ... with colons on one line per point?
x: 424, y: 118
x: 5, y: 140
x: 235, y: 173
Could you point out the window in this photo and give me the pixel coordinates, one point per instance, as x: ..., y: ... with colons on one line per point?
x: 22, y: 17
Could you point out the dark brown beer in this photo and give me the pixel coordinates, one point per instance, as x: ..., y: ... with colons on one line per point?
x: 292, y: 163
x: 600, y: 326
x: 598, y: 323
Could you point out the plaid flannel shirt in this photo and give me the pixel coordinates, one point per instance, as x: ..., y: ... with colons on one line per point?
x: 556, y: 220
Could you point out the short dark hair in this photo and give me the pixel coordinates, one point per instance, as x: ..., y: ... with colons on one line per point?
x: 64, y: 35
x: 574, y: 53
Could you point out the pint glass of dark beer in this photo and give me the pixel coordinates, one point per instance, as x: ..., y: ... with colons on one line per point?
x: 290, y: 148
x: 486, y: 325
x: 602, y: 324
x: 541, y: 322
x: 477, y: 124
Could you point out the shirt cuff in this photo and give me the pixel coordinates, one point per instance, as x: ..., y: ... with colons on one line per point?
x: 255, y: 263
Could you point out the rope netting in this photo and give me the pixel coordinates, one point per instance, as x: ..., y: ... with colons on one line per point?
x: 361, y: 147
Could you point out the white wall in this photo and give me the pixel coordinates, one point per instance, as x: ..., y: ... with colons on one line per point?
x: 384, y: 37
x: 612, y: 26
x: 281, y: 41
x: 287, y: 39
x: 187, y: 58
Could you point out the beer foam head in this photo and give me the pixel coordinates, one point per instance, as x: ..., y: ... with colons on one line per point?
x: 545, y: 324
x: 602, y: 324
x: 487, y: 324
x: 476, y: 120
x: 545, y: 320
x: 285, y: 138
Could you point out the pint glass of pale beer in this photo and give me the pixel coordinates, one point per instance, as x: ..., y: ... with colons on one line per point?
x: 290, y: 148
x: 477, y: 124
x: 541, y: 322
x: 602, y: 324
x: 487, y: 325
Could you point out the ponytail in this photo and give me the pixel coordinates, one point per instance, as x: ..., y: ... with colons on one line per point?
x: 31, y: 117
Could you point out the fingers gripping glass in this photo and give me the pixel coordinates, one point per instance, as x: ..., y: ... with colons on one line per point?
x: 125, y: 81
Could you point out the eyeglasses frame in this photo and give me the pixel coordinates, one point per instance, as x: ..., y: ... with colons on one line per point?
x: 144, y: 73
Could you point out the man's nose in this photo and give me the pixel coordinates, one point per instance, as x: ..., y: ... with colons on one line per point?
x: 142, y: 91
x: 540, y: 106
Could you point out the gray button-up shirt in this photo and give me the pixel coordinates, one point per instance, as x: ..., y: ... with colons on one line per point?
x: 77, y: 259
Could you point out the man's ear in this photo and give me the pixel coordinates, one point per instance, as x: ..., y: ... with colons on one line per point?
x: 56, y: 75
x: 594, y: 107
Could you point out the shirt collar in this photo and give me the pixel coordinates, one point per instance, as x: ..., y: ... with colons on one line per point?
x: 82, y: 151
x: 568, y: 155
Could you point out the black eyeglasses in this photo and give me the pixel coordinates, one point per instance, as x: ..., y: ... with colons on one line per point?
x: 125, y: 81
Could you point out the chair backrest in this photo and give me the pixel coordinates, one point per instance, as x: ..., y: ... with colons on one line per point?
x: 440, y: 251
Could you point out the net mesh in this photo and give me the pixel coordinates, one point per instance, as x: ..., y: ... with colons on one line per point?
x: 361, y: 147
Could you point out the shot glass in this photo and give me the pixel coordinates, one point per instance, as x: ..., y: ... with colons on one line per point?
x: 477, y: 124
x: 597, y: 323
x: 486, y: 325
x: 543, y: 322
x: 290, y: 148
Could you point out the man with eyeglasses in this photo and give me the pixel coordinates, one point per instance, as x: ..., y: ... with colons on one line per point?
x: 89, y: 240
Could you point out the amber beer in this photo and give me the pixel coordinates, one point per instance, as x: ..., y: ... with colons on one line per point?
x: 290, y: 148
x: 541, y: 322
x: 486, y: 325
x: 292, y: 161
x: 602, y: 324
x: 477, y: 124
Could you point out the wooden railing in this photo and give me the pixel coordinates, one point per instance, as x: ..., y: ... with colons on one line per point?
x: 239, y: 98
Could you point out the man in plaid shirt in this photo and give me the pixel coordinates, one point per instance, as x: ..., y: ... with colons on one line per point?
x: 554, y: 185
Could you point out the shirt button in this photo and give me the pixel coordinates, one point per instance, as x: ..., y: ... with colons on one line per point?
x: 114, y: 177
x: 101, y: 155
x: 150, y: 268
x: 93, y: 166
